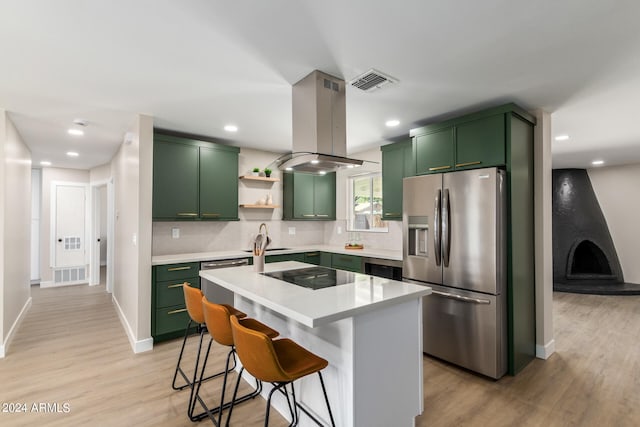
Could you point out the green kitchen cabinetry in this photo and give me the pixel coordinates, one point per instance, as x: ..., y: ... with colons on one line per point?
x: 397, y: 163
x: 169, y: 315
x: 309, y: 196
x: 474, y: 141
x: 434, y: 151
x: 194, y: 180
x: 284, y: 257
x: 347, y: 262
x: 502, y: 137
x: 318, y: 258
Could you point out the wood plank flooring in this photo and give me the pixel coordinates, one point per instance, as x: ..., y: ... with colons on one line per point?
x: 593, y: 378
x: 71, y: 348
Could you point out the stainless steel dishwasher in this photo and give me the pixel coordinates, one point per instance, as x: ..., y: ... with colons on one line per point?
x: 214, y: 292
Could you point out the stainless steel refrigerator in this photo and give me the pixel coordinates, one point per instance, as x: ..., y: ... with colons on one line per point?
x: 455, y: 242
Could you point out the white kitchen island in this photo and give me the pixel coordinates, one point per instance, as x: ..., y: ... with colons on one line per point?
x: 370, y: 331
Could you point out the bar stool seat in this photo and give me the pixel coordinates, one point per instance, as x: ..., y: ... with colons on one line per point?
x: 193, y: 301
x: 216, y: 318
x: 280, y: 362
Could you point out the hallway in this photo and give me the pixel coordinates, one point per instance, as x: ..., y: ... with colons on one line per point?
x: 71, y: 348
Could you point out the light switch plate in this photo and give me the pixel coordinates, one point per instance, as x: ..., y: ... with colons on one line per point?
x: 175, y: 233
x: 339, y: 230
x: 292, y: 231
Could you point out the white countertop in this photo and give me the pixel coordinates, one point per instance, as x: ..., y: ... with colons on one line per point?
x: 314, y: 307
x: 231, y: 254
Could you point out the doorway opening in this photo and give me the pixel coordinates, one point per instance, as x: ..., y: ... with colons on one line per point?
x: 101, y: 234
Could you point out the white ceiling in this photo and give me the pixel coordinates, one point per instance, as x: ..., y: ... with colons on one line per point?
x: 196, y: 65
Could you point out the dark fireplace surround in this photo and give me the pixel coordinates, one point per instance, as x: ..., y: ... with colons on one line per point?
x: 584, y: 256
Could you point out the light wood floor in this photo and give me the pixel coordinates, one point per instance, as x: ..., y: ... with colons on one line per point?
x: 71, y: 349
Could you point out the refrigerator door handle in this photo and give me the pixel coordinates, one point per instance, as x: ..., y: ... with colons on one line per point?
x: 436, y: 228
x: 446, y: 230
x: 461, y: 298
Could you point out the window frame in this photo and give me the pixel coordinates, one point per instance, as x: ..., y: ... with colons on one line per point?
x: 351, y: 204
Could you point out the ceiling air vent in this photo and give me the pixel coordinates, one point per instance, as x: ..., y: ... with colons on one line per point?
x: 371, y: 80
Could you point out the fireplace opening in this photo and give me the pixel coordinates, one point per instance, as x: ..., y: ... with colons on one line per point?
x: 588, y: 261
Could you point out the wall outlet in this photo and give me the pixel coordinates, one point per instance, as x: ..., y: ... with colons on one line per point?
x: 175, y: 233
x: 339, y: 230
x: 292, y: 231
x: 134, y: 239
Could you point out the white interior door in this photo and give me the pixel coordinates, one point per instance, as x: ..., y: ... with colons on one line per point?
x: 70, y: 216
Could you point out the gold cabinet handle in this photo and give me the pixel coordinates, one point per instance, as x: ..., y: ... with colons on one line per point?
x: 187, y: 214
x: 211, y: 214
x: 179, y: 268
x: 312, y: 253
x: 439, y: 168
x: 459, y: 165
x: 181, y: 310
x: 392, y: 213
x: 177, y: 285
x: 308, y: 215
x: 322, y: 215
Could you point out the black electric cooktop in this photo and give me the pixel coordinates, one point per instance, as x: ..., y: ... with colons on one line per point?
x: 314, y: 277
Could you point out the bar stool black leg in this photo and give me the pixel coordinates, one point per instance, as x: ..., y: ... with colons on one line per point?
x: 178, y: 368
x: 326, y: 399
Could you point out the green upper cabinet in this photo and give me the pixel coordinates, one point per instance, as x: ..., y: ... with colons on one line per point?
x: 397, y: 163
x: 474, y: 141
x: 218, y: 184
x: 175, y: 180
x: 309, y: 197
x: 434, y: 151
x: 194, y: 180
x: 481, y: 143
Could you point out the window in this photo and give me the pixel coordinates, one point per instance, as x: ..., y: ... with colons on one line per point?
x: 365, y: 203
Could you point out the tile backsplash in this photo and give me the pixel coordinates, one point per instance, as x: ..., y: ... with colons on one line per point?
x: 211, y: 236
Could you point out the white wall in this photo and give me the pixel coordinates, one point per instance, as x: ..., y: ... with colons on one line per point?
x: 15, y: 230
x: 132, y: 169
x: 36, y: 198
x: 545, y: 341
x: 618, y: 193
x: 48, y: 176
x: 103, y: 224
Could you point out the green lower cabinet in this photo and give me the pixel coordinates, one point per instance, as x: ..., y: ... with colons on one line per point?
x: 170, y: 322
x: 284, y: 257
x: 318, y: 258
x: 347, y: 262
x: 169, y: 315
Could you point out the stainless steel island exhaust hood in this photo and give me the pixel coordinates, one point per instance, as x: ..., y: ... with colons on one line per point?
x: 319, y: 126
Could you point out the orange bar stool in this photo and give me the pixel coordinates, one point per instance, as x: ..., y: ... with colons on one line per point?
x: 216, y: 317
x: 279, y: 362
x: 193, y: 301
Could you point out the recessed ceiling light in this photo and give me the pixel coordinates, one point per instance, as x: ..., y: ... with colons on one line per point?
x: 231, y: 128
x: 597, y: 162
x: 562, y: 137
x: 72, y: 154
x: 322, y: 172
x: 288, y: 169
x: 45, y: 163
x: 392, y: 123
x: 315, y: 162
x: 76, y: 132
x: 350, y: 166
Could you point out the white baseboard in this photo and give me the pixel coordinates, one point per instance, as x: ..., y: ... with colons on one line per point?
x: 51, y: 284
x: 138, y: 346
x: 543, y: 352
x: 14, y: 328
